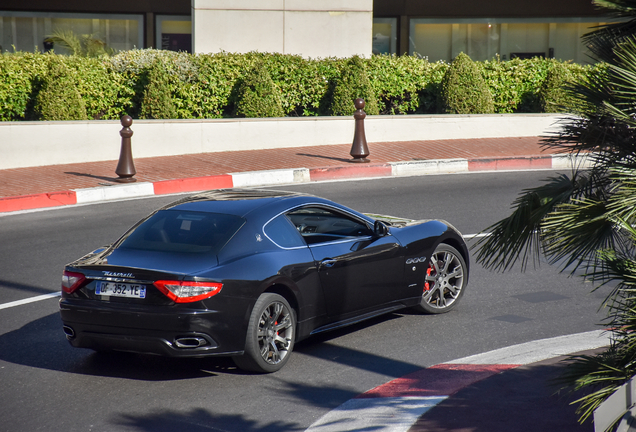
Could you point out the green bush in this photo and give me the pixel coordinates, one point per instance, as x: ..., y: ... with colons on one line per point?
x: 258, y: 96
x: 405, y: 84
x: 553, y: 96
x: 463, y: 89
x: 206, y: 85
x: 353, y: 83
x: 98, y: 87
x: 15, y: 90
x: 157, y: 100
x: 59, y: 98
x: 514, y: 84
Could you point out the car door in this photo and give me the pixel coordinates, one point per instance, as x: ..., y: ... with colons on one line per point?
x: 359, y: 271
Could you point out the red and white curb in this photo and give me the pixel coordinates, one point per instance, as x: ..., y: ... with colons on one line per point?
x: 398, y: 404
x: 285, y: 176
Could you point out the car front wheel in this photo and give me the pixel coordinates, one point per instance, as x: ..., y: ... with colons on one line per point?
x: 444, y: 282
x: 270, y: 335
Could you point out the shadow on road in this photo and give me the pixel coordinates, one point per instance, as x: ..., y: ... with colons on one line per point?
x: 523, y: 399
x: 23, y: 287
x: 200, y: 420
x: 42, y: 344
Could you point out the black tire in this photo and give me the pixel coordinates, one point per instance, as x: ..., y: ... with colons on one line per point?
x: 445, y: 280
x: 270, y: 335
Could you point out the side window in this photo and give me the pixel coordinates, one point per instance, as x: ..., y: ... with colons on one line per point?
x: 283, y: 233
x: 318, y: 225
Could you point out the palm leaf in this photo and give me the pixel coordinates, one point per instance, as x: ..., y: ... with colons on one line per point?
x: 67, y: 39
x: 518, y: 237
x: 575, y: 231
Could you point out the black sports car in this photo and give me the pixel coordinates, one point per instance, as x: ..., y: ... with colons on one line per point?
x: 246, y: 273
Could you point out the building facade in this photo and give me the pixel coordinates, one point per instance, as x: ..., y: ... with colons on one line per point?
x: 484, y: 29
x: 427, y: 28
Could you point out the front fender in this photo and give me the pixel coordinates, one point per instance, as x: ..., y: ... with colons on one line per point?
x: 420, y: 239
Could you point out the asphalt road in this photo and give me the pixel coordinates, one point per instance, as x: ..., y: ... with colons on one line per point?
x: 47, y: 385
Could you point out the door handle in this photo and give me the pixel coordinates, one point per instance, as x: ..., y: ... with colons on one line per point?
x: 328, y: 262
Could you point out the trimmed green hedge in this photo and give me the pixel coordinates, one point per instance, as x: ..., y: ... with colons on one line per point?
x: 463, y: 89
x: 206, y: 85
x: 258, y: 96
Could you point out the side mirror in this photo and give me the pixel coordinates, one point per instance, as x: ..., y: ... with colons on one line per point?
x: 380, y: 229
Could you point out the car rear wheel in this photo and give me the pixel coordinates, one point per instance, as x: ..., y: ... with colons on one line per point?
x: 444, y: 282
x: 270, y: 335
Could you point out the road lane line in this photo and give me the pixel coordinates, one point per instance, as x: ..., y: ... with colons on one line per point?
x: 472, y: 236
x: 30, y: 300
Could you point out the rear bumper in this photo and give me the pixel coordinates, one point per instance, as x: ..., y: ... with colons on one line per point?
x: 174, y: 331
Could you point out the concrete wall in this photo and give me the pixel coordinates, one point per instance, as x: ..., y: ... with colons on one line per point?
x: 305, y: 27
x: 25, y: 144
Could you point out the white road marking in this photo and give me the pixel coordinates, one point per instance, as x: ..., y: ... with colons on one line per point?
x: 390, y: 414
x: 541, y: 349
x: 30, y: 300
x: 472, y: 236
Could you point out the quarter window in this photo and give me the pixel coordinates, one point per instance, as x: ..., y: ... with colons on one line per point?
x: 281, y: 232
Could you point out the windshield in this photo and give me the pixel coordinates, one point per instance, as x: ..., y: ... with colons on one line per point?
x: 183, y: 232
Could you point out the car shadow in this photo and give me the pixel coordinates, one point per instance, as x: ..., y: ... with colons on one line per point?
x: 42, y: 344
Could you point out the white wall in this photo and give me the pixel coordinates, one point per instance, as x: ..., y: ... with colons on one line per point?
x: 25, y: 144
x: 308, y: 28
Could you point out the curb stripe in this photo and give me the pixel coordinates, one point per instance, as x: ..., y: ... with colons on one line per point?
x: 379, y: 414
x: 510, y: 163
x: 43, y: 200
x: 270, y: 177
x: 107, y: 193
x: 443, y: 379
x: 193, y: 184
x: 428, y: 167
x: 289, y: 176
x: 347, y: 172
x: 398, y: 404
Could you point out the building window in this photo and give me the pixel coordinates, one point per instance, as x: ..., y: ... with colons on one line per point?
x: 484, y: 39
x: 27, y: 31
x: 384, y: 35
x: 174, y: 33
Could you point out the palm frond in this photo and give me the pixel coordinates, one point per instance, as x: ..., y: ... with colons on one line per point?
x: 601, y: 374
x: 575, y: 231
x: 622, y: 204
x: 89, y: 45
x: 67, y: 39
x: 518, y: 237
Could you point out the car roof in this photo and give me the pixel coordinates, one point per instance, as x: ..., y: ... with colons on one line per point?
x: 237, y: 202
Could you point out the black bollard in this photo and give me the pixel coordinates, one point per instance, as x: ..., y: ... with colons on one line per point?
x: 359, y: 149
x: 126, y: 167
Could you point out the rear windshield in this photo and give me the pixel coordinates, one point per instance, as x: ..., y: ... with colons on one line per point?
x: 183, y: 231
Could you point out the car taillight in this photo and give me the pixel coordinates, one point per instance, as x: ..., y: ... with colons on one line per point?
x: 185, y: 292
x: 71, y: 281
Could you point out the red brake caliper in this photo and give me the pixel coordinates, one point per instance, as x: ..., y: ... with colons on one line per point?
x: 427, y: 286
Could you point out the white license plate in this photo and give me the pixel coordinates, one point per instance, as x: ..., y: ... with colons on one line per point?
x: 120, y: 289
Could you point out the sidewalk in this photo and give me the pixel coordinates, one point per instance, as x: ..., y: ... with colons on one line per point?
x: 48, y: 186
